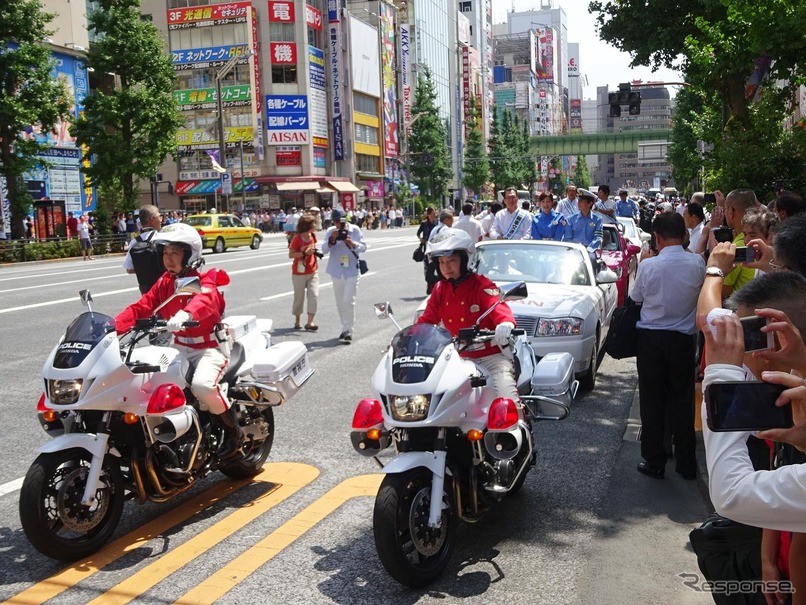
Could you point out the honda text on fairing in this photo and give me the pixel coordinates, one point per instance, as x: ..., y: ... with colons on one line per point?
x: 458, y: 447
x: 126, y: 425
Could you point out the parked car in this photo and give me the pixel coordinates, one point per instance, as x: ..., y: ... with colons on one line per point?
x: 222, y: 231
x: 621, y: 257
x: 569, y: 304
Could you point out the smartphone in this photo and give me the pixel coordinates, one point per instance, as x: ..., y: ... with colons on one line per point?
x: 744, y: 255
x: 754, y: 338
x: 709, y: 198
x: 746, y: 406
x: 723, y: 234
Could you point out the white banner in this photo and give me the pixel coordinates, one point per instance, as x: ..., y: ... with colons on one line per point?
x: 406, y: 84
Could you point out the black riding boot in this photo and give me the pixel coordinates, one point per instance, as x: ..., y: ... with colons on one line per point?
x: 232, y: 434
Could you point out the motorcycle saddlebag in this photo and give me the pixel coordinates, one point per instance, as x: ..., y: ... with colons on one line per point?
x: 554, y: 377
x: 283, y: 366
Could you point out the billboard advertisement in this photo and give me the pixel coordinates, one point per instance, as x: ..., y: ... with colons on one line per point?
x: 205, y: 16
x: 406, y: 82
x: 287, y: 119
x: 365, y: 59
x: 388, y: 65
x: 281, y: 12
x: 317, y: 100
x: 336, y: 95
x: 213, y: 56
x: 544, y: 53
x: 283, y: 53
x: 205, y: 98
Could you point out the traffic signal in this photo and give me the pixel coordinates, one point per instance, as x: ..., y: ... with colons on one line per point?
x: 634, y: 103
x: 615, y: 108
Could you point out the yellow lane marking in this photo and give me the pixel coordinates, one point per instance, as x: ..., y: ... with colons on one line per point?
x: 261, y: 553
x: 81, y: 570
x: 291, y: 477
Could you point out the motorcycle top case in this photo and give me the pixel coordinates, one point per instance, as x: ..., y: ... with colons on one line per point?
x: 240, y: 325
x: 554, y: 376
x: 284, y: 364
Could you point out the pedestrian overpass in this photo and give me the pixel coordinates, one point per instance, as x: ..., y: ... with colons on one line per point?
x: 594, y: 144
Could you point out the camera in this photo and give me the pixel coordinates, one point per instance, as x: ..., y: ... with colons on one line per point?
x: 318, y: 254
x: 744, y: 255
x: 343, y: 233
x: 709, y: 198
x: 723, y: 234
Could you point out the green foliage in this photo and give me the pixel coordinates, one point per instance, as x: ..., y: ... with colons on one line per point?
x: 129, y: 126
x: 582, y: 175
x: 511, y: 160
x: 725, y: 49
x: 29, y: 97
x: 430, y: 159
x: 476, y: 168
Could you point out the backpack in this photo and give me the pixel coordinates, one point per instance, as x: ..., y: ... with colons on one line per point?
x: 146, y: 260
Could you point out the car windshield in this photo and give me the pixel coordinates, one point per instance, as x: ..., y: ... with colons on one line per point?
x: 199, y: 221
x: 630, y: 230
x: 415, y: 350
x: 81, y: 336
x: 533, y: 263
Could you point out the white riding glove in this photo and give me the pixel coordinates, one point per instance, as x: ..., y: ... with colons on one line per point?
x: 502, y: 333
x: 175, y: 323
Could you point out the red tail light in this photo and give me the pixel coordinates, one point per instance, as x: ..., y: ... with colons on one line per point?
x: 40, y: 405
x: 167, y: 397
x: 367, y: 414
x: 503, y: 414
x: 201, y: 231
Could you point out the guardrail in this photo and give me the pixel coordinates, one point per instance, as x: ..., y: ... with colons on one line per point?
x: 16, y: 251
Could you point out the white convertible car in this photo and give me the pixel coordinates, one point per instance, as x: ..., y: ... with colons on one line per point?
x: 569, y: 305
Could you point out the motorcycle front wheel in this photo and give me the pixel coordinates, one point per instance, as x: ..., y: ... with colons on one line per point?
x: 413, y: 553
x: 255, y: 452
x: 53, y: 518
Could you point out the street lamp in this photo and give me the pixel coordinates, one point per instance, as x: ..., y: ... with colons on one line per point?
x: 219, y: 77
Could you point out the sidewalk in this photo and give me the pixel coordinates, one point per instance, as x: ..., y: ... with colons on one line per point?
x: 641, y: 542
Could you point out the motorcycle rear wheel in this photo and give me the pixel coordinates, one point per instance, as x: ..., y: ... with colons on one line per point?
x: 254, y: 455
x: 54, y: 521
x: 413, y: 554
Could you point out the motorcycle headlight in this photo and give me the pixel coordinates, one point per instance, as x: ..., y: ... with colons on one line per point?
x: 409, y: 407
x: 564, y: 326
x: 64, y: 392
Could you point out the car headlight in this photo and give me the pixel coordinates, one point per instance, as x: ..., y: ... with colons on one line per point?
x: 565, y: 326
x: 409, y: 407
x: 64, y: 392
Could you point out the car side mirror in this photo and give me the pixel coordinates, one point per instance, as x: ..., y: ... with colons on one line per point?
x: 606, y: 276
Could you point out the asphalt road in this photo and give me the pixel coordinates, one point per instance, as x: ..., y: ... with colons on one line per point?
x: 301, y: 532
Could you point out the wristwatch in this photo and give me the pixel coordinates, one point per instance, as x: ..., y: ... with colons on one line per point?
x: 715, y: 271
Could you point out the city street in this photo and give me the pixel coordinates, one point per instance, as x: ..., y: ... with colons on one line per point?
x: 586, y: 528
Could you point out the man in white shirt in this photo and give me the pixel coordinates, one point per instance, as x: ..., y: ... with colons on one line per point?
x: 512, y: 222
x: 569, y: 206
x: 605, y: 205
x: 488, y: 218
x: 668, y: 286
x: 694, y: 217
x: 468, y: 224
x: 391, y: 217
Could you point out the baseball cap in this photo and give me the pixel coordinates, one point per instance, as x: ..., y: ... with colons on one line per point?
x: 337, y: 214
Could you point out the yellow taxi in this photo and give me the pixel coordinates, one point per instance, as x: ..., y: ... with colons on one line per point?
x: 222, y: 231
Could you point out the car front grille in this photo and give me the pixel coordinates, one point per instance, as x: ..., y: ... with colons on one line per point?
x: 527, y: 324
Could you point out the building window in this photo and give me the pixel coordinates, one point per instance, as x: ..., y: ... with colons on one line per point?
x: 366, y: 134
x: 281, y: 32
x: 365, y: 104
x: 466, y: 6
x: 367, y: 163
x: 284, y: 74
x: 313, y: 37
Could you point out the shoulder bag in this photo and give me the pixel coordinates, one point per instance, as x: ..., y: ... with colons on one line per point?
x: 622, y: 336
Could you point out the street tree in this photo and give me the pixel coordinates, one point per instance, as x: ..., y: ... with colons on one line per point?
x: 129, y: 125
x: 476, y: 169
x: 430, y: 159
x: 582, y: 175
x: 528, y: 167
x: 30, y: 98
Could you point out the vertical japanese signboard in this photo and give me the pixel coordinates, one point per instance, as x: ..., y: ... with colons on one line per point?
x: 406, y: 83
x: 336, y: 98
x: 317, y: 101
x: 388, y: 79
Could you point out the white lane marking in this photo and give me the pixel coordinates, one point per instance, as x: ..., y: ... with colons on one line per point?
x: 11, y: 486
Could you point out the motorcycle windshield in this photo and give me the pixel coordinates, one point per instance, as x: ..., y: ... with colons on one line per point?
x: 86, y: 331
x: 415, y: 350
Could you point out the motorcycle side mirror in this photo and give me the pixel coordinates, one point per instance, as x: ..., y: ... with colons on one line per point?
x: 86, y: 299
x: 383, y: 310
x: 514, y: 291
x: 186, y: 286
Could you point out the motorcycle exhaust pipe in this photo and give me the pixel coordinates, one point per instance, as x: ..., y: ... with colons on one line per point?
x: 170, y: 427
x: 503, y: 445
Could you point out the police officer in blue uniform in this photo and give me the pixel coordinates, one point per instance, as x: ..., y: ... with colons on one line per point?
x: 585, y: 227
x: 548, y: 223
x: 626, y: 206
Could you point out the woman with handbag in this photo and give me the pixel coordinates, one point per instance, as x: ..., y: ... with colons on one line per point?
x: 304, y: 276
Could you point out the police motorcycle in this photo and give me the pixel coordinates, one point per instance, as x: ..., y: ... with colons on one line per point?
x: 125, y: 424
x: 458, y: 448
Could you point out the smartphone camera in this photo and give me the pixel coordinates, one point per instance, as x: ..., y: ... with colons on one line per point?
x: 744, y: 255
x: 746, y: 406
x: 754, y: 338
x: 723, y: 234
x: 709, y: 198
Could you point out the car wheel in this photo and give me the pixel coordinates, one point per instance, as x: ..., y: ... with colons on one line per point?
x: 588, y: 380
x: 219, y: 246
x: 255, y: 242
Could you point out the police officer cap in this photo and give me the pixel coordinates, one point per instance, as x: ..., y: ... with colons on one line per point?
x: 622, y: 192
x: 586, y: 195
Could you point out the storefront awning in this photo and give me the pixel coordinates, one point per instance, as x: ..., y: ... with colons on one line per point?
x: 343, y: 186
x: 298, y: 186
x: 326, y: 190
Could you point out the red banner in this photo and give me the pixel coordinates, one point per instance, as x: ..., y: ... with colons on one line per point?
x: 313, y: 17
x: 281, y: 12
x: 284, y: 53
x: 229, y: 11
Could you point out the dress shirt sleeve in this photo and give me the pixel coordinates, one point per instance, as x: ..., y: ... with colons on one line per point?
x: 771, y: 499
x: 326, y: 240
x: 495, y: 229
x: 358, y: 239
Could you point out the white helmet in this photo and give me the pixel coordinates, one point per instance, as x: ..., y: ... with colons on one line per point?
x: 450, y: 241
x: 182, y: 234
